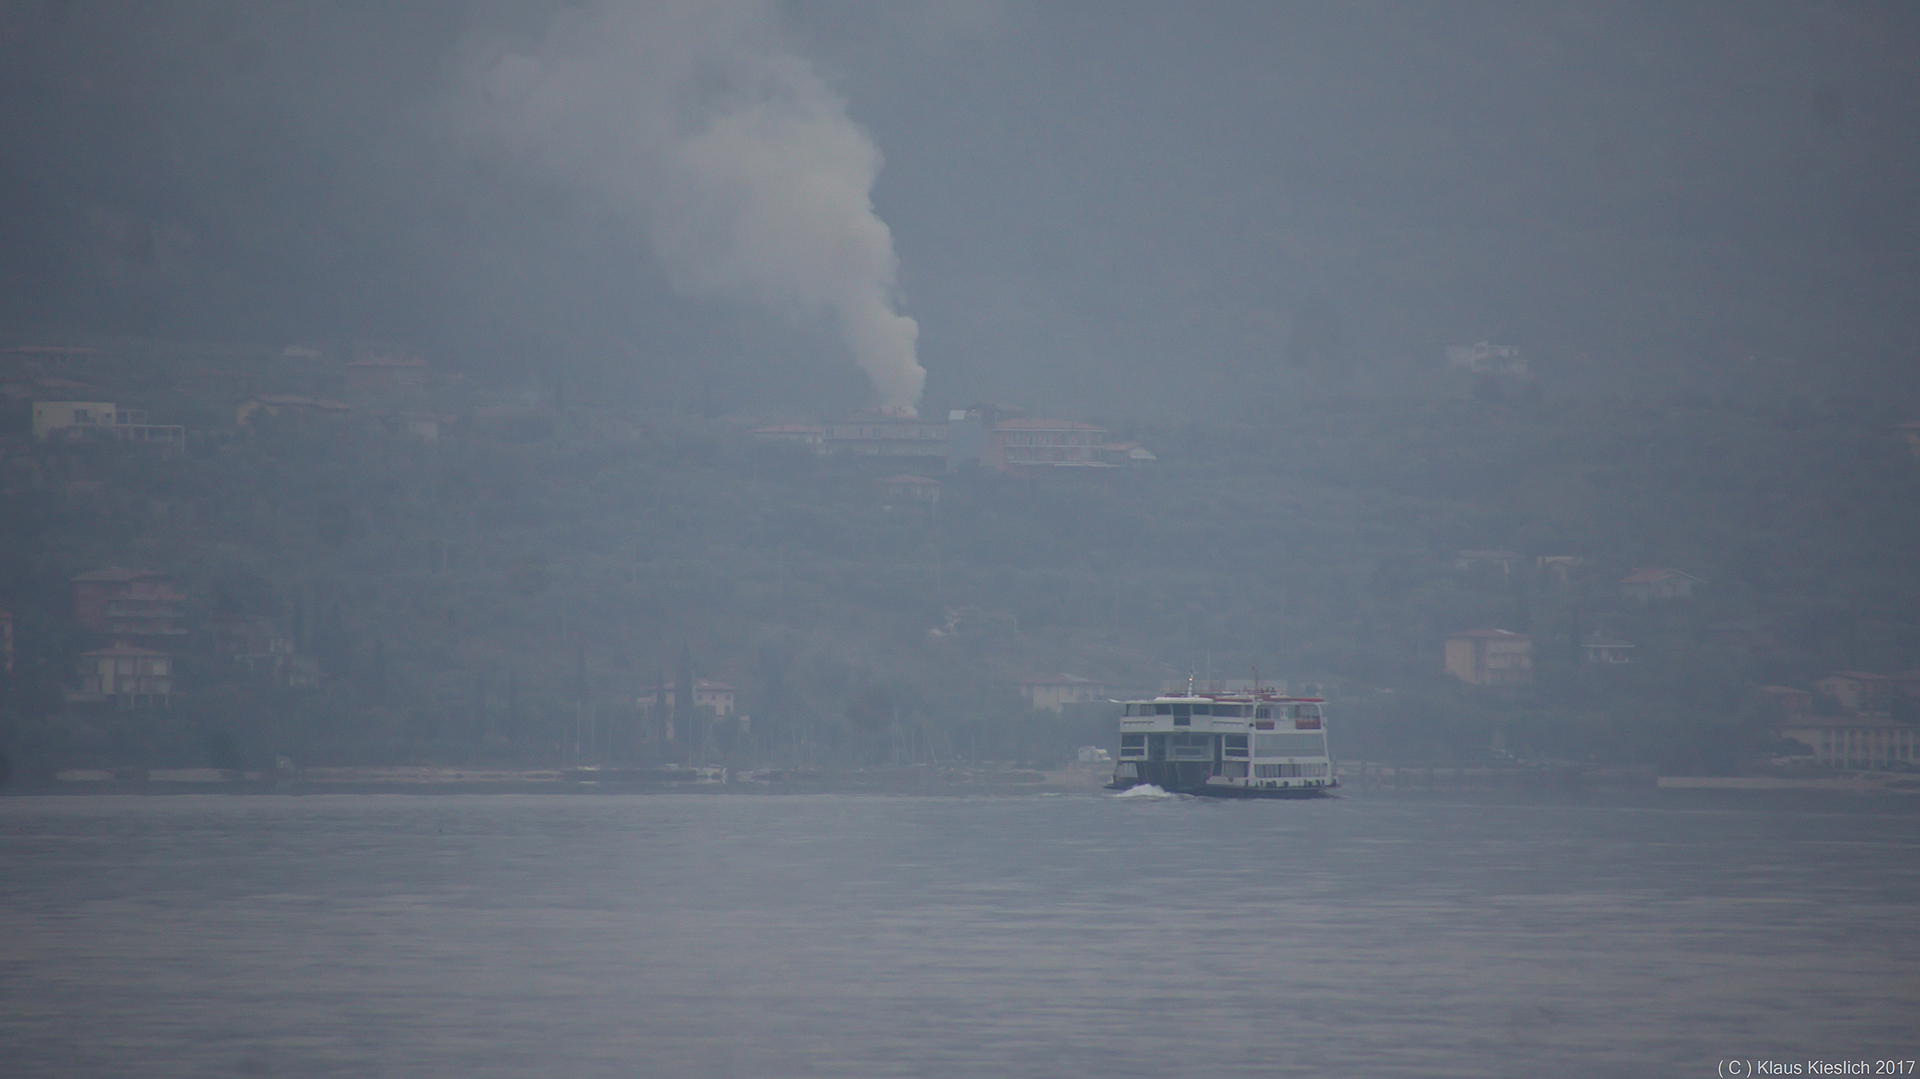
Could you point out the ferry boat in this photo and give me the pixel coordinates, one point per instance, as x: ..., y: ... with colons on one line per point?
x: 1253, y: 744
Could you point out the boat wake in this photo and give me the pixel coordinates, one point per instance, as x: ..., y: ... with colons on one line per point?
x: 1145, y: 790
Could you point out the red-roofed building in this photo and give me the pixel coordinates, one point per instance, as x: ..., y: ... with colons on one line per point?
x: 1646, y: 584
x: 129, y: 602
x: 1490, y: 657
x: 1027, y: 443
x: 134, y: 675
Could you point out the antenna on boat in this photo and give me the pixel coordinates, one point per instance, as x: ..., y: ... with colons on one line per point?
x: 1256, y: 679
x: 1189, y: 679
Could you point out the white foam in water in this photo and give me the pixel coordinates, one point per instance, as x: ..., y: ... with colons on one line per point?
x: 1144, y: 790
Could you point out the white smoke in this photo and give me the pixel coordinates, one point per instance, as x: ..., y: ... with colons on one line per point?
x: 743, y: 167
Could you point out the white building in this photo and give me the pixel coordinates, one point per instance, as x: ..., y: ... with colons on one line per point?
x: 1055, y: 691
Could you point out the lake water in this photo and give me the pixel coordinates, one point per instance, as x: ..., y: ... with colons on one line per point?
x: 828, y: 935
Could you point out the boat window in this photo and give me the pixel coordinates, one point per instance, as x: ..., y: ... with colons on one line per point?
x: 1163, y: 709
x: 1234, y: 745
x: 1133, y: 745
x: 1230, y: 710
x: 1290, y: 745
x: 1265, y: 711
x: 1191, y: 747
x: 1203, y: 709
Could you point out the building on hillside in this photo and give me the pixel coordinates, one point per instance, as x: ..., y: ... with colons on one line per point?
x: 1486, y: 358
x: 129, y: 603
x: 886, y: 432
x: 1490, y: 657
x: 1600, y: 650
x: 707, y: 693
x: 1650, y: 584
x: 259, y: 647
x: 6, y: 642
x: 286, y: 408
x: 72, y: 420
x: 1559, y: 568
x: 1864, y: 691
x: 791, y: 434
x: 967, y: 432
x: 914, y: 489
x: 1054, y: 692
x: 386, y: 372
x: 1790, y: 701
x: 1860, y: 742
x: 1019, y: 444
x: 1497, y: 563
x: 126, y: 674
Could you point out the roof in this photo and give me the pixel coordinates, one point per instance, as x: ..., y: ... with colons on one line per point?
x: 885, y: 414
x: 117, y: 573
x: 1654, y: 576
x: 1044, y: 425
x: 124, y: 649
x: 1869, y: 676
x: 1058, y: 680
x: 789, y: 429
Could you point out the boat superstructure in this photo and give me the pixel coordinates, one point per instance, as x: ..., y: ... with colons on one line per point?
x: 1253, y: 744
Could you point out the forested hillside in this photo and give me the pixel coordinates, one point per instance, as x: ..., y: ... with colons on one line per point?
x: 538, y: 571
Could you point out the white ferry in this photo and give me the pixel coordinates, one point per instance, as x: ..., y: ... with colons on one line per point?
x: 1255, y: 744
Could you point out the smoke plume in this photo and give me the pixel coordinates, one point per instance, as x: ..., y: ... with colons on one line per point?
x: 696, y: 122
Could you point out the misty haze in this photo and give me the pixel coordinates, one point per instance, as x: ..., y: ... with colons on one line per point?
x: 958, y: 537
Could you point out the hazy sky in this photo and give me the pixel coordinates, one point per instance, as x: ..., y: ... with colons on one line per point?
x: 1083, y: 206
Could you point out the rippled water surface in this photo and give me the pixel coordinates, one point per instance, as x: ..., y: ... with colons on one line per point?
x: 1034, y: 936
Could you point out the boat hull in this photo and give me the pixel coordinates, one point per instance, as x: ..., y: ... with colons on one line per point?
x: 1218, y: 790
